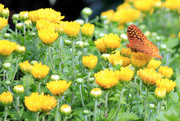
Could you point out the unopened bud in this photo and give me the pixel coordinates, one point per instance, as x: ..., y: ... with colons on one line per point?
x: 86, y: 44
x: 79, y: 80
x: 15, y: 17
x: 19, y: 89
x: 67, y: 42
x: 86, y: 12
x: 96, y: 93
x: 5, y: 12
x: 55, y: 77
x: 19, y: 26
x: 7, y: 65
x: 80, y: 21
x: 65, y: 109
x: 6, y: 35
x: 79, y: 44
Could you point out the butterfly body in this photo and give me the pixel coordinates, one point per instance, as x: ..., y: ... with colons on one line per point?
x: 138, y: 42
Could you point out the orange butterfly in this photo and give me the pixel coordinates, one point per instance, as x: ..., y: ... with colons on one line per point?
x: 138, y: 42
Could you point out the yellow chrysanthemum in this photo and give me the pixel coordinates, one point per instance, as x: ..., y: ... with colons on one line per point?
x: 154, y: 64
x: 125, y: 5
x: 149, y: 76
x: 25, y: 66
x: 124, y: 75
x: 3, y: 22
x: 166, y: 83
x: 100, y: 45
x: 6, y: 47
x: 6, y: 98
x: 109, y: 14
x: 59, y: 27
x: 48, y: 14
x: 1, y: 7
x: 165, y: 71
x: 87, y: 29
x: 139, y: 59
x: 44, y: 24
x: 143, y: 5
x: 125, y: 52
x: 112, y: 41
x: 65, y: 109
x: 130, y: 1
x: 39, y: 71
x: 90, y: 61
x: 57, y: 88
x: 49, y: 103
x: 106, y: 78
x: 47, y: 36
x: 71, y: 28
x: 160, y: 93
x: 172, y: 4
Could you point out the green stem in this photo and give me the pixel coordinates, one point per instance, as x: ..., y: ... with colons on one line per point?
x: 27, y: 85
x: 24, y: 30
x: 57, y: 116
x: 6, y: 113
x: 37, y: 116
x: 82, y: 101
x: 50, y: 54
x: 86, y: 19
x: 131, y: 104
x: 88, y: 84
x: 119, y: 104
x: 159, y: 106
x: 95, y: 110
x: 85, y: 117
x: 65, y: 118
x: 39, y: 87
x: 106, y: 104
x: 61, y: 55
x: 17, y: 105
x: 146, y: 104
x: 43, y: 118
x: 16, y: 67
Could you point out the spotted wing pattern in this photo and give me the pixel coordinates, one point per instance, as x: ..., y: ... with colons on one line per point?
x: 138, y: 42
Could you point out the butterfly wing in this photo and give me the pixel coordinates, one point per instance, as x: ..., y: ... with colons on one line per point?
x: 139, y: 42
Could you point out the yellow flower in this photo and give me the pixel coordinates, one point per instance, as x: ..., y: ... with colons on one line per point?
x: 1, y: 7
x: 106, y: 78
x: 48, y: 14
x: 139, y: 59
x: 6, y: 98
x: 130, y: 1
x: 125, y: 52
x: 172, y: 4
x: 23, y: 15
x: 65, y: 109
x: 44, y: 24
x: 87, y: 29
x: 124, y: 75
x: 25, y: 66
x: 3, y: 22
x: 154, y: 64
x: 49, y: 102
x: 47, y: 36
x: 71, y: 28
x: 59, y: 27
x: 90, y: 61
x: 143, y: 5
x: 160, y: 93
x: 149, y: 76
x: 179, y: 34
x: 18, y: 89
x: 5, y: 12
x: 112, y: 41
x: 100, y: 45
x: 57, y: 88
x: 39, y: 71
x: 166, y: 83
x: 165, y: 71
x: 6, y: 47
x: 125, y: 5
x: 109, y: 14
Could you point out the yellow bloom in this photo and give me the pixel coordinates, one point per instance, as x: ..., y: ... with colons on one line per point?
x: 3, y: 22
x: 44, y: 24
x: 100, y: 45
x: 65, y: 109
x: 125, y: 74
x: 6, y: 98
x: 48, y: 14
x: 125, y: 52
x: 6, y: 47
x: 71, y: 28
x: 154, y: 64
x: 149, y: 76
x: 109, y: 14
x: 165, y: 71
x: 90, y: 61
x: 39, y: 71
x: 143, y: 5
x: 87, y: 29
x: 1, y: 7
x: 112, y: 41
x: 25, y: 66
x: 57, y: 88
x: 172, y: 4
x: 49, y: 102
x: 160, y: 93
x: 47, y: 36
x: 59, y: 27
x: 166, y: 83
x: 23, y: 15
x: 139, y: 59
x: 130, y: 1
x: 106, y: 78
x: 125, y: 5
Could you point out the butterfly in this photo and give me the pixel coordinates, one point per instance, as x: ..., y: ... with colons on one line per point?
x: 138, y: 42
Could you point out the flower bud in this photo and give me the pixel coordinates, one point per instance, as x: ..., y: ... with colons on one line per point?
x: 23, y: 16
x: 6, y: 35
x: 160, y: 93
x: 18, y: 89
x: 91, y: 80
x: 65, y: 109
x: 154, y: 34
x: 5, y: 12
x: 96, y: 93
x: 163, y: 46
x: 7, y: 65
x: 20, y: 49
x: 79, y: 80
x: 80, y: 21
x: 86, y: 44
x: 19, y: 26
x: 33, y: 34
x: 86, y: 112
x: 28, y: 24
x: 151, y: 106
x: 79, y: 44
x: 86, y: 12
x: 34, y: 61
x: 101, y: 34
x: 8, y: 82
x: 15, y: 17
x: 105, y: 56
x: 158, y: 4
x: 67, y: 42
x: 123, y: 36
x: 55, y: 77
x: 147, y: 33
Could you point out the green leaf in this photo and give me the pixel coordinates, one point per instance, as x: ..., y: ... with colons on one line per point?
x: 125, y: 116
x: 172, y: 42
